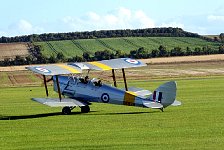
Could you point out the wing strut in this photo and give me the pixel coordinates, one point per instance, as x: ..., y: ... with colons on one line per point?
x: 45, y: 85
x: 58, y: 86
x: 125, y: 82
x: 114, y: 78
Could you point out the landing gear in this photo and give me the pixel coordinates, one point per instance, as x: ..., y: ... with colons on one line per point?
x: 66, y: 110
x: 85, y: 109
x: 161, y: 109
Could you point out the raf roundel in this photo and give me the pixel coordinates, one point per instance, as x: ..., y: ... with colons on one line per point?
x: 105, y: 98
x: 43, y: 70
x: 132, y: 61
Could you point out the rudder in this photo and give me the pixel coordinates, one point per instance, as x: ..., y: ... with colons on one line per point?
x: 165, y: 94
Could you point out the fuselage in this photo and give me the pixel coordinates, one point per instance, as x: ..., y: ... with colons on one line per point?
x: 95, y: 91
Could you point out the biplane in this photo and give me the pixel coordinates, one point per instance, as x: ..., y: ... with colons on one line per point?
x: 76, y: 91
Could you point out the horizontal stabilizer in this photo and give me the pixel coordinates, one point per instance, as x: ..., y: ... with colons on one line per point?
x: 152, y: 104
x: 139, y: 91
x: 176, y: 103
x: 55, y: 102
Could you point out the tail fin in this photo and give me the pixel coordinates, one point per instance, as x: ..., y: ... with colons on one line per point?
x: 165, y: 94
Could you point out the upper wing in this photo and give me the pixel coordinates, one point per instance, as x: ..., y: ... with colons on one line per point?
x: 110, y: 64
x: 72, y: 68
x: 55, y: 69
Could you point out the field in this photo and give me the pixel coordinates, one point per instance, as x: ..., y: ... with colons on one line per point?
x: 197, y: 124
x: 71, y: 48
x: 12, y: 50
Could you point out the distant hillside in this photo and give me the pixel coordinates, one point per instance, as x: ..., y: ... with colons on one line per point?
x: 105, y: 44
x: 149, y: 32
x: 71, y: 48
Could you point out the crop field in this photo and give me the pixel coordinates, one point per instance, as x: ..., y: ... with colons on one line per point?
x: 72, y: 48
x: 197, y: 124
x: 12, y: 50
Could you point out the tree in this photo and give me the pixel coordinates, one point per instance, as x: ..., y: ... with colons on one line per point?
x: 162, y: 51
x: 221, y: 49
x: 52, y: 59
x: 221, y: 36
x: 155, y: 53
x: 60, y: 56
x: 19, y: 60
x: 7, y: 62
x: 86, y: 56
x: 102, y: 55
x: 197, y: 51
x: 189, y: 51
x: 176, y: 52
x: 29, y: 60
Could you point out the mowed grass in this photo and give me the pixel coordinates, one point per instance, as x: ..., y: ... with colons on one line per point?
x: 197, y: 124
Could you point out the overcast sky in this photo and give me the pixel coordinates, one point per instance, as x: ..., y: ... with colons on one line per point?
x: 22, y: 17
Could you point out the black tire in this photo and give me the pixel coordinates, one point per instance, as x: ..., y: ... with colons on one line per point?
x: 66, y: 111
x: 85, y: 109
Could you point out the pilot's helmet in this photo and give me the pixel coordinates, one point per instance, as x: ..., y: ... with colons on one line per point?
x: 87, y: 77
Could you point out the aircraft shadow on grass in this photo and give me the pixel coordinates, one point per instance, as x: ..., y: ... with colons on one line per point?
x: 60, y: 114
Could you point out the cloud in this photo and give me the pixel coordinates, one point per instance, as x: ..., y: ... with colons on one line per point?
x: 23, y: 27
x: 173, y: 24
x: 93, y: 16
x: 121, y: 18
x: 215, y: 18
x: 3, y: 33
x: 144, y: 20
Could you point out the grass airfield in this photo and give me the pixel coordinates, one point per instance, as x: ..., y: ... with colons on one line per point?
x: 197, y: 124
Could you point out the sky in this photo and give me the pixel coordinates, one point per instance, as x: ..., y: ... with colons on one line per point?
x: 24, y: 17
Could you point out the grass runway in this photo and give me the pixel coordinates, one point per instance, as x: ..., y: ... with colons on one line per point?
x: 197, y: 124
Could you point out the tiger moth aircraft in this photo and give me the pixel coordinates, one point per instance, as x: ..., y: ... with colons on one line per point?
x: 74, y: 90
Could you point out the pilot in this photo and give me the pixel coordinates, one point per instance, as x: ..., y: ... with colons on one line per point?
x: 98, y: 83
x: 86, y: 80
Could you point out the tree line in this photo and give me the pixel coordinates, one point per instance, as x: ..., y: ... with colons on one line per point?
x: 148, y: 32
x: 140, y: 53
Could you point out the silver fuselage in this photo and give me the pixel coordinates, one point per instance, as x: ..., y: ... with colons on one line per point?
x: 90, y: 91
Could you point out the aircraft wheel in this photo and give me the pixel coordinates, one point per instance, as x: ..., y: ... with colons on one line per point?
x: 85, y: 109
x: 66, y: 111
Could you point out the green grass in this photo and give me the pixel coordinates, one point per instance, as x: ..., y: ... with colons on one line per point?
x: 197, y: 124
x: 70, y: 49
x: 4, y: 78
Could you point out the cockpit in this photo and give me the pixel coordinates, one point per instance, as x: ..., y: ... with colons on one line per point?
x: 86, y: 80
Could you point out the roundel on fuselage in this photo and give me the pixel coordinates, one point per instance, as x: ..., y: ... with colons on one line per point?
x: 105, y: 98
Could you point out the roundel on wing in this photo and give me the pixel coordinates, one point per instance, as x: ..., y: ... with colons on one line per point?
x: 41, y: 69
x: 132, y: 61
x: 105, y: 98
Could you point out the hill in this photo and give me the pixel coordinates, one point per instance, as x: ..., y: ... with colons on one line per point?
x: 105, y: 44
x: 71, y: 48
